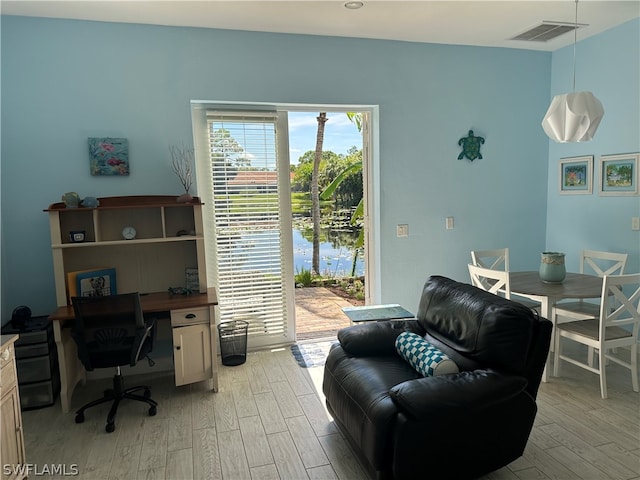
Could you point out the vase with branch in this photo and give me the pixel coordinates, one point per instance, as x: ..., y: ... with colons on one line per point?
x: 181, y: 163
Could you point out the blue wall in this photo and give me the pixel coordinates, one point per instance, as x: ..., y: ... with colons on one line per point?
x: 64, y: 81
x: 607, y: 65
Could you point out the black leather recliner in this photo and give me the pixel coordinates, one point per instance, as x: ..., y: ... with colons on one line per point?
x: 405, y: 426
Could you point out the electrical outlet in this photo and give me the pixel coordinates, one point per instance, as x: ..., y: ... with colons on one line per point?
x: 635, y: 223
x: 402, y: 230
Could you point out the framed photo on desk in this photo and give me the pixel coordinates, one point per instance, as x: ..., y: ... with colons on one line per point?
x: 96, y: 283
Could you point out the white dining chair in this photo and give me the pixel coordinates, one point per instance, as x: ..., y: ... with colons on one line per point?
x: 595, y: 263
x: 497, y: 282
x: 493, y: 281
x: 498, y: 259
x: 616, y: 326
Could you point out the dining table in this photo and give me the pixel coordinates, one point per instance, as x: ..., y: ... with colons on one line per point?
x: 575, y: 285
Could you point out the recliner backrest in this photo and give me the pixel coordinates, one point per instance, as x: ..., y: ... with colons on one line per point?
x: 492, y: 331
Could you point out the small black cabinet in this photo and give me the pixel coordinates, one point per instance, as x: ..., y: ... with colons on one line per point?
x: 36, y: 362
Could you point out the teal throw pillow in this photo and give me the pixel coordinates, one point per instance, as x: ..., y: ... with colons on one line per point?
x: 424, y: 357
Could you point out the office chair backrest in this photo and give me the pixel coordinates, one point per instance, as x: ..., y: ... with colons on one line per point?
x: 603, y: 263
x: 497, y: 259
x: 110, y: 331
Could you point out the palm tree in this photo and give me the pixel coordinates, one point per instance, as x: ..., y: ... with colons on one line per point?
x: 358, y: 213
x: 315, y: 197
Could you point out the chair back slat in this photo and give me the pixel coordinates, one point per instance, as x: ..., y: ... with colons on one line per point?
x: 603, y: 263
x: 496, y: 259
x: 493, y: 281
x: 620, y: 303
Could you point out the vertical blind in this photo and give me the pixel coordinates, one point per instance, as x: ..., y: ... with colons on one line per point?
x: 249, y: 257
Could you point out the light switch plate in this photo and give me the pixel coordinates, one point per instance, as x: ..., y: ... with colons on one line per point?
x: 402, y: 230
x: 449, y: 223
x: 635, y: 223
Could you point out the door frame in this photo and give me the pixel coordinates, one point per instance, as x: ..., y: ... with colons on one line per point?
x: 370, y: 171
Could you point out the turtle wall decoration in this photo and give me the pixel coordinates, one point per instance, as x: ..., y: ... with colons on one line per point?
x: 470, y: 146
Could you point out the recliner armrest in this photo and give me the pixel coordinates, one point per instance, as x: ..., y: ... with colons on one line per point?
x: 375, y: 338
x: 465, y: 391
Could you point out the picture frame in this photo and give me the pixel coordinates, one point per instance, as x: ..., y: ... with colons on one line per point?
x: 108, y: 156
x: 576, y: 175
x: 192, y: 281
x: 96, y: 283
x: 619, y: 174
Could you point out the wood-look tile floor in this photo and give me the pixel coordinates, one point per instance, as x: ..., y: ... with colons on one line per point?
x: 268, y: 421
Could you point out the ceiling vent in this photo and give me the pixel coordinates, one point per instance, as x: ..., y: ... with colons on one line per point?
x: 547, y: 31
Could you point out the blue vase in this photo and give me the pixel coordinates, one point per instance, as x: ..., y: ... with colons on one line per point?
x: 552, y: 269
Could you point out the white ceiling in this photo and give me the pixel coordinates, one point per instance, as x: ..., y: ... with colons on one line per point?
x: 483, y: 23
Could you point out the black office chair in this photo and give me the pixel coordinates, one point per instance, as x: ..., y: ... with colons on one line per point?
x: 111, y: 331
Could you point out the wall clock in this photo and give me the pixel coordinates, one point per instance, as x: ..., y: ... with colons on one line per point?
x: 129, y: 233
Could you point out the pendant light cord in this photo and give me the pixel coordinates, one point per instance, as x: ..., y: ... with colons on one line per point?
x: 575, y: 40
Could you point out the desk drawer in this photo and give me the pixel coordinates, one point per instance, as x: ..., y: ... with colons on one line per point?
x: 189, y: 316
x: 34, y: 369
x: 7, y: 376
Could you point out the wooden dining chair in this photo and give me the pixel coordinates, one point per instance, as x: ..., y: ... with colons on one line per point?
x: 616, y: 326
x: 498, y: 259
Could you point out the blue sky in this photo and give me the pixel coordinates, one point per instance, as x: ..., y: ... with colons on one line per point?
x: 340, y: 134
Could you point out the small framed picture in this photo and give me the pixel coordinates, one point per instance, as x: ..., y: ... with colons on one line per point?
x: 576, y: 175
x: 109, y: 156
x: 619, y: 174
x: 96, y: 283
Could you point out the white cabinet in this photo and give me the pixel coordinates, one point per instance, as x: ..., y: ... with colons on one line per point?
x: 193, y: 345
x: 11, y: 440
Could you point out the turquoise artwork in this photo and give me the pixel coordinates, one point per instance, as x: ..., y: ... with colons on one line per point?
x: 109, y: 156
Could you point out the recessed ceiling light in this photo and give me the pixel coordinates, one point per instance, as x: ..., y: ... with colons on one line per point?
x: 353, y: 5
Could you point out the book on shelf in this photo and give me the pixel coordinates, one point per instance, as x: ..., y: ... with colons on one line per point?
x: 99, y: 281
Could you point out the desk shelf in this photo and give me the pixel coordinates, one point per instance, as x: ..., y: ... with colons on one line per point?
x: 169, y: 239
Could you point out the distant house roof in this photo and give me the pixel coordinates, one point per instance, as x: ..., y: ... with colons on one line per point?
x: 251, y: 177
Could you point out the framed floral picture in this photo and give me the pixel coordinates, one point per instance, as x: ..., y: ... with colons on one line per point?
x: 576, y: 175
x: 619, y: 174
x: 109, y: 156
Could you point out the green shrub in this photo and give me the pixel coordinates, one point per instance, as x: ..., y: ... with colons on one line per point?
x: 303, y: 277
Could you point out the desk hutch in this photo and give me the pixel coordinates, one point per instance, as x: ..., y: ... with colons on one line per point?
x: 169, y: 239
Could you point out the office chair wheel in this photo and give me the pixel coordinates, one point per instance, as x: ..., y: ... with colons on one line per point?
x: 79, y: 417
x: 152, y: 411
x: 147, y: 393
x: 110, y: 427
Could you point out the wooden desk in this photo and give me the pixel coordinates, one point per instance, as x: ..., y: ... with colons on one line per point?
x: 192, y: 316
x: 575, y: 285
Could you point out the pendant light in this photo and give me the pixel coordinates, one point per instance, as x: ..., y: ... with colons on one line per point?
x: 573, y: 117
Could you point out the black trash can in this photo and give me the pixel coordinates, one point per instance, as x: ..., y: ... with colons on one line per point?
x: 233, y: 342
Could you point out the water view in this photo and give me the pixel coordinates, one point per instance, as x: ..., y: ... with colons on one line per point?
x: 336, y: 256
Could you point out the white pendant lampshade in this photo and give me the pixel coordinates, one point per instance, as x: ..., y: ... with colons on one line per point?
x: 573, y: 117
